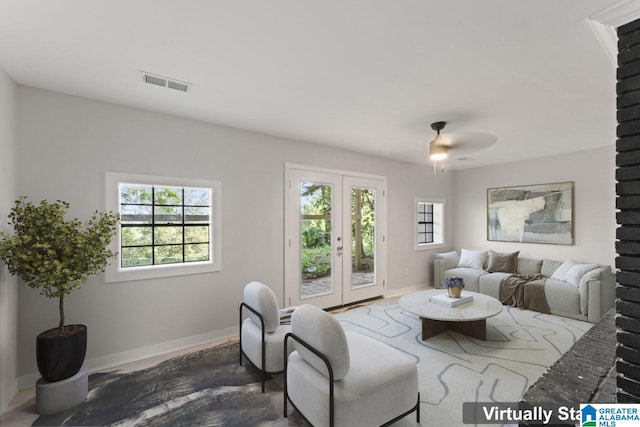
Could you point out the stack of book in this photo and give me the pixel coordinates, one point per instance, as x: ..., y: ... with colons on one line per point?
x: 447, y: 301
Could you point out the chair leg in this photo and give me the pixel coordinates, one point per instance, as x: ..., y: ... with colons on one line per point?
x: 264, y: 360
x: 286, y: 360
x: 418, y: 409
x: 240, y: 332
x: 285, y: 405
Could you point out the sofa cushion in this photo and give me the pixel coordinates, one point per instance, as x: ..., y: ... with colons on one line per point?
x: 489, y: 284
x: 529, y: 266
x: 562, y: 297
x: 549, y: 266
x: 502, y: 262
x: 576, y: 272
x: 274, y: 348
x: 469, y: 275
x: 472, y: 259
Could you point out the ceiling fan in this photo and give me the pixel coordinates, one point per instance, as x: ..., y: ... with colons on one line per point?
x: 458, y: 144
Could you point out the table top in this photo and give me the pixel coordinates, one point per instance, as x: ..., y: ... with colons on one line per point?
x: 482, y: 306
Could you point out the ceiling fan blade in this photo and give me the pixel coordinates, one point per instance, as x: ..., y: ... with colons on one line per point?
x: 462, y: 143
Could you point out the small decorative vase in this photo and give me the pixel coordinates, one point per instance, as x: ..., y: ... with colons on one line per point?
x: 454, y: 292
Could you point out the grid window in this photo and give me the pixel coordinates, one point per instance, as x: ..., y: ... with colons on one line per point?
x: 429, y: 223
x: 425, y: 223
x: 164, y: 225
x: 168, y: 226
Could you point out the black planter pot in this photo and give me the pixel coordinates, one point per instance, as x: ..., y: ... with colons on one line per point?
x: 61, y: 356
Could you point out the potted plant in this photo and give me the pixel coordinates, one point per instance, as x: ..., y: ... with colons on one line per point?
x: 56, y: 256
x: 454, y: 286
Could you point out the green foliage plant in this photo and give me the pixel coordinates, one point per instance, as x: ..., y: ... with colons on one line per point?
x: 316, y: 262
x: 56, y: 255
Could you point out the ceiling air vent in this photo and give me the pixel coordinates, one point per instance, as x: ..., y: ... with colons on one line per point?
x: 172, y: 84
x: 168, y: 82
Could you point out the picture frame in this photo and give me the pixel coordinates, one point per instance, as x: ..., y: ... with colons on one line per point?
x: 539, y: 213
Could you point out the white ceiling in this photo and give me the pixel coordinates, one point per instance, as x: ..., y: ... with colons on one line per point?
x: 366, y: 75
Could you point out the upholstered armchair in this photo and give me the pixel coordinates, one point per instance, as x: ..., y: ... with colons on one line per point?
x: 346, y: 379
x: 261, y: 335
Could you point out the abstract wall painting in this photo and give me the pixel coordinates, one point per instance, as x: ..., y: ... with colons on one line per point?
x: 540, y: 213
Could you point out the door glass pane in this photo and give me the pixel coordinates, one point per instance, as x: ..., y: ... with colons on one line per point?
x: 363, y: 242
x: 315, y: 239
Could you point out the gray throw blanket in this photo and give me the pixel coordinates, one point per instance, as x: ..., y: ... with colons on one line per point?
x: 524, y: 291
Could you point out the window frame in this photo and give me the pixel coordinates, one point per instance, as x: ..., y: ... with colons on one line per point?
x: 116, y: 273
x: 438, y: 224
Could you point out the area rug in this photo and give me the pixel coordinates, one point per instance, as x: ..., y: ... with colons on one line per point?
x: 454, y: 368
x: 205, y: 388
x: 209, y: 388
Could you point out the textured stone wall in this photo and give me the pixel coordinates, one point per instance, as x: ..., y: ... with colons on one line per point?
x: 628, y: 217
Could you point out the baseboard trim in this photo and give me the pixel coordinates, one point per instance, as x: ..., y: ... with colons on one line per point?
x: 397, y: 292
x: 111, y: 360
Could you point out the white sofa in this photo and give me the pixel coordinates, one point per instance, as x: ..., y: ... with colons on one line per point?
x: 587, y: 299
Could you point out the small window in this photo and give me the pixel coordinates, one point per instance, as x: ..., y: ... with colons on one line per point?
x: 168, y: 226
x: 425, y: 223
x: 429, y: 223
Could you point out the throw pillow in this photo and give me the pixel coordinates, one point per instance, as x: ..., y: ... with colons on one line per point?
x: 505, y: 263
x: 529, y: 266
x: 451, y: 258
x: 549, y: 266
x: 576, y: 272
x: 561, y: 272
x: 597, y: 273
x: 472, y: 259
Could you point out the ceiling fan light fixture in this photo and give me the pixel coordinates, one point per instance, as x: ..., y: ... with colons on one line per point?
x: 438, y: 150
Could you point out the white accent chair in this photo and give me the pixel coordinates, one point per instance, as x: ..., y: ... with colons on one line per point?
x: 261, y: 335
x: 346, y: 379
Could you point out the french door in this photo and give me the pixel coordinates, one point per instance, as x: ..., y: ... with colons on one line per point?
x: 334, y: 237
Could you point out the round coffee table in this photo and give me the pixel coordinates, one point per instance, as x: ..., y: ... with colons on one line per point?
x: 469, y: 318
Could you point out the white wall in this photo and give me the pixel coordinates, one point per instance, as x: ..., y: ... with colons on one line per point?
x: 593, y: 172
x: 68, y: 143
x: 8, y: 284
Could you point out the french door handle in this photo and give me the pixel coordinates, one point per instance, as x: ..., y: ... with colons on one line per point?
x: 339, y: 250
